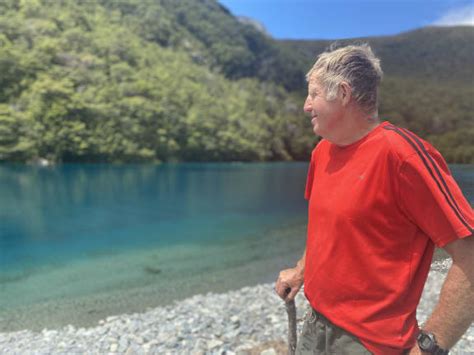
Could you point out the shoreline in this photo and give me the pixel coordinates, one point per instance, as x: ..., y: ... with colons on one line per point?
x: 235, y: 322
x: 82, y: 292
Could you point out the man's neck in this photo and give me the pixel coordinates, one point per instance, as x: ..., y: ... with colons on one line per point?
x: 354, y: 130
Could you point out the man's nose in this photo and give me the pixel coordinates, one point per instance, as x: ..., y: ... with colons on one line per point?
x: 307, y: 105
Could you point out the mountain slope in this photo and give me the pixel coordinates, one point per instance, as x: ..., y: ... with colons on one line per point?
x: 428, y: 83
x: 437, y: 54
x: 85, y: 82
x: 164, y: 80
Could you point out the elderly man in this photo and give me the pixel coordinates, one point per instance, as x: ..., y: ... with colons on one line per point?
x: 380, y: 200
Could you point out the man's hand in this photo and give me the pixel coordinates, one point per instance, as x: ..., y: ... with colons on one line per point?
x: 289, y: 283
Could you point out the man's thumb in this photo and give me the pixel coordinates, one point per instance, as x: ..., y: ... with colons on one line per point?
x: 291, y: 294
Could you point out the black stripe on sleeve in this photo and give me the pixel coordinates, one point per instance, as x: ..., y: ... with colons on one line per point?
x: 400, y: 132
x: 435, y: 167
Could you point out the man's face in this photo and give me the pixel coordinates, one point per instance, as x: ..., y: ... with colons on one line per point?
x: 325, y: 114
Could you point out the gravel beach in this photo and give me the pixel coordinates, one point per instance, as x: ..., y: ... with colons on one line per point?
x: 234, y: 322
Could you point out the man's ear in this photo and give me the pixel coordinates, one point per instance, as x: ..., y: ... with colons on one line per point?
x: 345, y: 93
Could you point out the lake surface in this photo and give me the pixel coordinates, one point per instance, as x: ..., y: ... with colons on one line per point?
x: 81, y: 242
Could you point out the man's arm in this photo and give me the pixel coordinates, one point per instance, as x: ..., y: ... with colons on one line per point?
x: 291, y: 279
x: 454, y: 313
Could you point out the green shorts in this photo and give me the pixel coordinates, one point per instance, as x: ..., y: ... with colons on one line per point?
x: 320, y: 336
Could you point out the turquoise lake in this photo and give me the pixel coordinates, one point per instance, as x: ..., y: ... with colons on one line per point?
x: 80, y: 242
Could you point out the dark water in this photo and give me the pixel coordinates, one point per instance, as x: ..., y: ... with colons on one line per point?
x: 80, y: 242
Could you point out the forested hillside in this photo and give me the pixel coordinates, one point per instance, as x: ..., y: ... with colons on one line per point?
x: 165, y: 80
x: 428, y: 83
x: 140, y: 81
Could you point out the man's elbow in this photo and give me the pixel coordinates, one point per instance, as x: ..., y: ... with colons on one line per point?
x: 462, y: 253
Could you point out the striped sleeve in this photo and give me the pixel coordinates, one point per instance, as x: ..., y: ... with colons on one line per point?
x: 430, y: 196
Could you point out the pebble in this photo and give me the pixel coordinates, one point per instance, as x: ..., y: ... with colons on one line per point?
x: 229, y: 323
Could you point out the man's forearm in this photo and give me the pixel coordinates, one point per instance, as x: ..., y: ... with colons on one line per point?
x: 454, y: 313
x: 300, y: 264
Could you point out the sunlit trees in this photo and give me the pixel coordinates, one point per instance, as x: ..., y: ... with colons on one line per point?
x: 132, y: 80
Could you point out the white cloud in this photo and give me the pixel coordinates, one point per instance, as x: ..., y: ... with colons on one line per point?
x: 458, y: 16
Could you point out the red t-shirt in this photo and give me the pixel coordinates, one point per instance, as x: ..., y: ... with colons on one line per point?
x: 377, y: 208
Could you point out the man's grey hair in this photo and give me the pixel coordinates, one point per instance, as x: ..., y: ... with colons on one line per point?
x: 355, y: 64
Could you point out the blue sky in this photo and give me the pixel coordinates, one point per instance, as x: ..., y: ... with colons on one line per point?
x: 335, y: 19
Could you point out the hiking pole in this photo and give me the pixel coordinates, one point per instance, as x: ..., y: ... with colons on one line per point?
x: 291, y: 310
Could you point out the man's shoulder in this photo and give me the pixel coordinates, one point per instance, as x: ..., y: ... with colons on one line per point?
x: 404, y: 144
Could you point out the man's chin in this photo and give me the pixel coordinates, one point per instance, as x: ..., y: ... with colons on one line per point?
x: 317, y: 130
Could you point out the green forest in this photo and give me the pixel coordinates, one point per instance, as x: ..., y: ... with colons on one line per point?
x: 158, y: 81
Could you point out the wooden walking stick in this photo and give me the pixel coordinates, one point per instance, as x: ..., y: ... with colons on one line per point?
x: 291, y: 310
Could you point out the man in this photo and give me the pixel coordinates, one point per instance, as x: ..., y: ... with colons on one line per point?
x: 380, y: 200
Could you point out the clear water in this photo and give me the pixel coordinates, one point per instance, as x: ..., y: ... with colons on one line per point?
x: 81, y: 242
x: 71, y: 211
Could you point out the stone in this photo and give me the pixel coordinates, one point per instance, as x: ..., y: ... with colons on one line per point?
x: 62, y: 344
x: 113, y: 348
x: 138, y: 340
x: 214, y: 343
x: 123, y: 344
